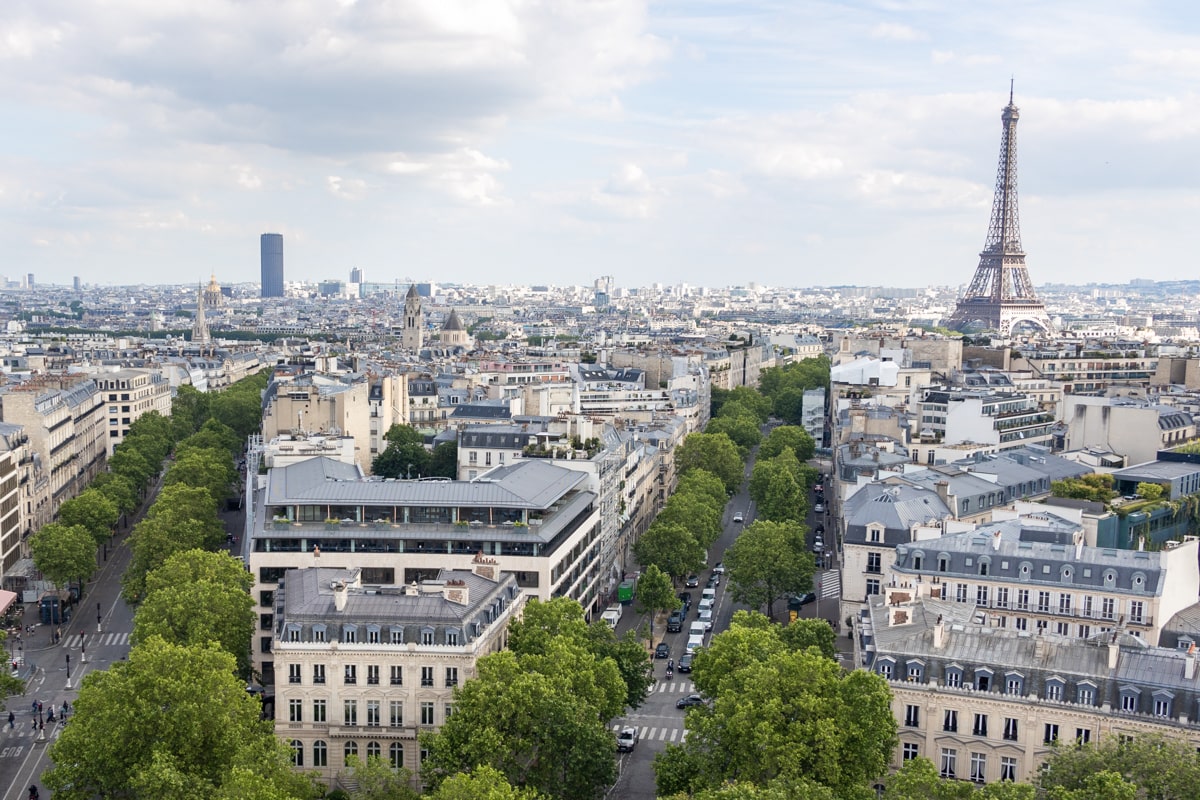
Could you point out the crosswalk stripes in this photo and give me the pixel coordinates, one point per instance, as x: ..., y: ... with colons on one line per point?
x: 657, y: 734
x: 831, y: 584
x: 675, y: 687
x: 96, y: 640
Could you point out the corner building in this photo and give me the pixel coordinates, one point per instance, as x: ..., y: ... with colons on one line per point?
x: 362, y: 669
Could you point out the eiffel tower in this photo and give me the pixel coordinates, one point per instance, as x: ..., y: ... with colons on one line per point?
x: 1001, y: 294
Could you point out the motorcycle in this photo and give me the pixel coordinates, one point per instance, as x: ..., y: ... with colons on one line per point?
x: 670, y: 667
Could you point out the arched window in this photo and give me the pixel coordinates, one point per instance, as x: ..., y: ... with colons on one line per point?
x: 373, y: 750
x: 297, y: 753
x: 320, y: 754
x: 351, y: 749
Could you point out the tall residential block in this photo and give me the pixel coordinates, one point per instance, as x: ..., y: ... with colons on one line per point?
x: 272, y: 264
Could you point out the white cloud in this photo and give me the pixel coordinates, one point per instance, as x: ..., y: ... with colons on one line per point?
x: 893, y: 31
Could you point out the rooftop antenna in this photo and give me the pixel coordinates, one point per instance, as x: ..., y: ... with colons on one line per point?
x: 1010, y: 89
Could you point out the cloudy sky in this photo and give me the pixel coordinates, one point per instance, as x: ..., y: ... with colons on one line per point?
x: 787, y: 142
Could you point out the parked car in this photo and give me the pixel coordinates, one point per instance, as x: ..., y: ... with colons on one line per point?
x: 796, y: 601
x: 686, y: 599
x: 687, y: 701
x: 692, y: 581
x: 662, y: 651
x: 738, y: 517
x: 714, y: 580
x: 685, y: 662
x: 818, y: 543
x: 675, y: 622
x: 819, y: 508
x: 627, y: 740
x: 719, y: 569
x: 705, y: 616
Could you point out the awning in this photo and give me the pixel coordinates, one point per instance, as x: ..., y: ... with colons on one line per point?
x: 6, y: 600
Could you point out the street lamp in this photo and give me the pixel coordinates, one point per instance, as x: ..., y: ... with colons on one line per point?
x: 82, y: 650
x: 98, y: 617
x: 68, y: 670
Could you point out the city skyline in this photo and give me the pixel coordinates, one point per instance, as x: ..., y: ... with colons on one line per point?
x: 713, y: 144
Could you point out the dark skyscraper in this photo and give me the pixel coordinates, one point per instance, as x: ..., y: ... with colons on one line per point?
x: 272, y: 265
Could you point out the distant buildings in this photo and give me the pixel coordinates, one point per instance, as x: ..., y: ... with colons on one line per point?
x: 272, y: 264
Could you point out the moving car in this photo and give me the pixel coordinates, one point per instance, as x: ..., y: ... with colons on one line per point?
x: 692, y: 581
x: 675, y: 622
x: 688, y: 701
x: 662, y: 651
x: 627, y: 740
x: 714, y: 580
x: 719, y: 569
x: 694, y: 643
x: 705, y: 616
x: 796, y: 601
x: 685, y: 662
x: 819, y: 508
x: 738, y: 517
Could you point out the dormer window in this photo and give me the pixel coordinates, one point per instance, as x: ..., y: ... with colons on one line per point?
x: 427, y: 636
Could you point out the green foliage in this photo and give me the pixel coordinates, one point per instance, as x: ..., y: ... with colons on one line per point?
x: 768, y: 561
x: 544, y: 623
x: 779, y: 486
x: 670, y: 547
x: 752, y: 401
x: 742, y: 430
x: 655, y: 593
x: 209, y: 468
x: 128, y: 463
x: 713, y: 452
x: 918, y: 779
x: 484, y: 783
x: 64, y: 553
x: 1160, y: 767
x: 788, y: 436
x: 240, y: 405
x: 189, y: 409
x: 1151, y: 491
x: 779, y: 717
x: 701, y: 482
x: 197, y: 598
x: 93, y: 510
x: 533, y: 727
x: 376, y: 780
x: 805, y: 633
x: 444, y: 461
x: 405, y: 455
x: 696, y: 513
x: 1097, y: 488
x: 117, y: 488
x: 182, y: 518
x: 206, y: 730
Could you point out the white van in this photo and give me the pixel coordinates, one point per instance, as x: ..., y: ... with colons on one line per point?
x: 696, y: 629
x: 706, y: 604
x: 694, y: 643
x: 710, y: 594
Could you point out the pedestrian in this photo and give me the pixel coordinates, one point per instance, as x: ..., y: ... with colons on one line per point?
x: 66, y: 708
x: 39, y: 705
x: 50, y: 716
x: 34, y: 709
x: 12, y: 719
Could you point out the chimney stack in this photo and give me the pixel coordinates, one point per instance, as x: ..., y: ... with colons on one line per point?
x: 1114, y: 651
x: 943, y: 491
x: 1189, y: 664
x: 340, y: 594
x: 939, y: 634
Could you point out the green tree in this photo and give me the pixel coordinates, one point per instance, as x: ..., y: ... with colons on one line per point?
x: 544, y: 622
x: 1151, y: 491
x: 402, y: 458
x: 655, y: 593
x: 713, y: 452
x: 702, y: 483
x: 444, y: 461
x: 742, y: 430
x: 758, y: 404
x: 240, y: 410
x: 1161, y: 767
x: 208, y: 468
x: 697, y: 513
x: 781, y: 714
x: 1097, y: 488
x: 190, y: 566
x: 204, y: 725
x: 212, y: 435
x: 1104, y: 785
x: 375, y: 779
x: 768, y: 561
x: 789, y: 405
x: 804, y: 633
x: 189, y: 409
x: 94, y: 511
x: 199, y: 612
x: 918, y: 779
x: 528, y: 726
x: 64, y: 553
x: 126, y: 462
x: 182, y: 518
x: 119, y: 489
x: 483, y: 783
x: 783, y: 500
x: 671, y: 548
x: 792, y: 436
